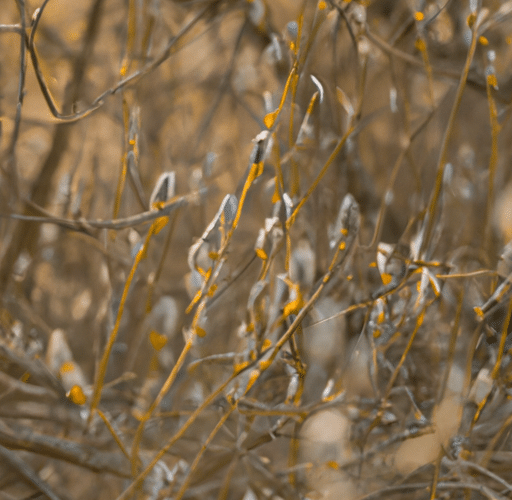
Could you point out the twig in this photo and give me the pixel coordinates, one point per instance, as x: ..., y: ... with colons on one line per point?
x: 25, y: 236
x: 444, y: 486
x: 11, y: 149
x: 35, y: 367
x: 479, y: 468
x: 23, y: 438
x: 11, y: 28
x: 133, y: 220
x: 12, y: 460
x: 99, y: 101
x: 199, y: 455
x: 430, y: 219
x: 207, y: 402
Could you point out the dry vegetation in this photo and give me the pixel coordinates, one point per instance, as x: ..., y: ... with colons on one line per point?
x: 255, y: 249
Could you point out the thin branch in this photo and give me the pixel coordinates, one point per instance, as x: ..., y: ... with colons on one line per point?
x: 134, y: 77
x: 11, y: 28
x: 431, y: 218
x: 88, y: 457
x: 11, y: 149
x: 133, y: 220
x: 444, y: 486
x: 12, y: 460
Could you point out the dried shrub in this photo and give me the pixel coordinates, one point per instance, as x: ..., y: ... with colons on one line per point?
x: 255, y: 249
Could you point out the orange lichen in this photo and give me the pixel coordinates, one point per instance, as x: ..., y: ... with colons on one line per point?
x: 157, y: 340
x: 76, y: 395
x: 386, y: 278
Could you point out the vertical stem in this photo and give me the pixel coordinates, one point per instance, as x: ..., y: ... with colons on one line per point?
x: 432, y: 207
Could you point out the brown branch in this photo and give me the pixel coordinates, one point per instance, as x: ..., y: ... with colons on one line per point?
x: 11, y: 28
x: 135, y: 76
x: 445, y: 486
x: 24, y: 234
x: 12, y: 362
x: 133, y: 220
x: 12, y: 460
x: 11, y: 148
x: 88, y: 457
